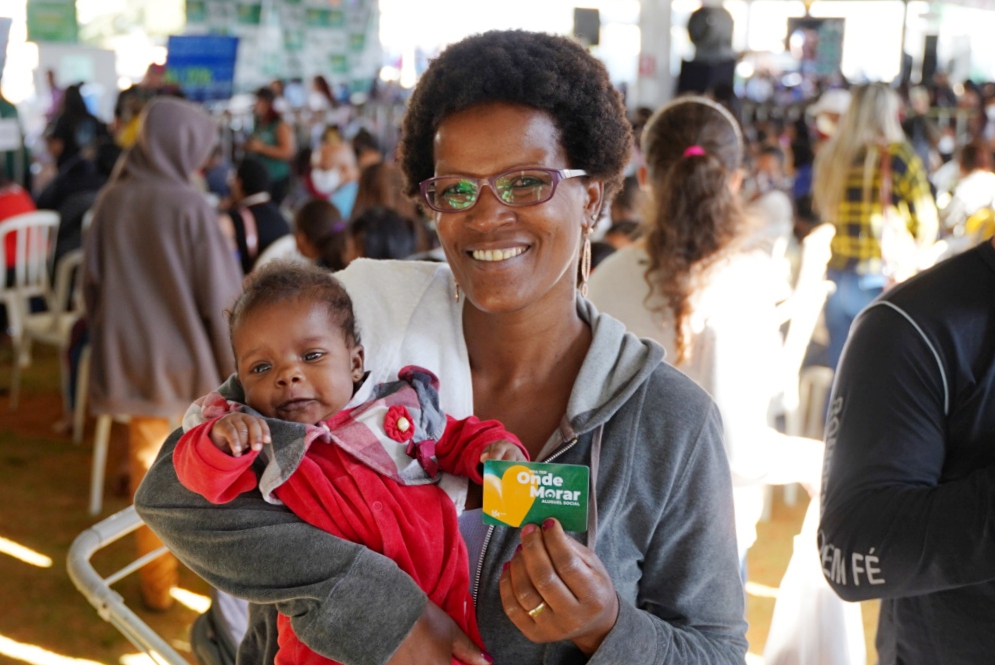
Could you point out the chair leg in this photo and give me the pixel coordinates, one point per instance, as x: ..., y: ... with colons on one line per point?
x: 15, y: 376
x: 25, y: 356
x: 768, y: 503
x: 101, y: 441
x: 82, y: 382
x: 791, y: 494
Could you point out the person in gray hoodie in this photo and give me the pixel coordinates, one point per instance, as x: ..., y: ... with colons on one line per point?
x: 655, y: 577
x: 157, y: 275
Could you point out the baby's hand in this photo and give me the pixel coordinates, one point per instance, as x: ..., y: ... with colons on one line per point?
x: 503, y: 450
x: 237, y: 432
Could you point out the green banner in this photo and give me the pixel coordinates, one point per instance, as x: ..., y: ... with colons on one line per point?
x: 293, y: 40
x: 325, y: 18
x: 339, y: 64
x: 250, y: 14
x: 196, y: 11
x: 52, y: 21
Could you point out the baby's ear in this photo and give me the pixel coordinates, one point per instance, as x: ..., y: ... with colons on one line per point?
x: 357, y: 363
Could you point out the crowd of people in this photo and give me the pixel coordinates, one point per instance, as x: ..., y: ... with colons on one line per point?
x: 612, y: 302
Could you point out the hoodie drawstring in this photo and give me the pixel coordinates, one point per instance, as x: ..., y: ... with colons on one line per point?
x: 592, y: 496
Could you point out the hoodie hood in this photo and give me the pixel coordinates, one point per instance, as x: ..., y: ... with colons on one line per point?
x: 175, y: 138
x: 616, y: 365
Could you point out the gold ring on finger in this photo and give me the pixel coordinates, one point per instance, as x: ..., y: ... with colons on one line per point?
x: 537, y: 610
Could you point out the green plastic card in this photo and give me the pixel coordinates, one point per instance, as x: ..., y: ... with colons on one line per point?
x: 517, y: 493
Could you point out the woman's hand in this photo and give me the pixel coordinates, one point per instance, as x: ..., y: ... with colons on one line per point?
x: 436, y: 640
x: 556, y: 589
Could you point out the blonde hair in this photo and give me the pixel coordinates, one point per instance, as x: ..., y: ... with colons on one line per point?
x: 870, y: 123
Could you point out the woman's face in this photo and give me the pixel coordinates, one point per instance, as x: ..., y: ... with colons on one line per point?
x: 541, y: 242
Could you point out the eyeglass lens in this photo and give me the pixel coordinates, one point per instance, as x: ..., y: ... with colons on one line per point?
x: 515, y: 188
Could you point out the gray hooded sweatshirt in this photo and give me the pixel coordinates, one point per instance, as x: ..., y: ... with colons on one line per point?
x: 661, y: 522
x: 158, y: 273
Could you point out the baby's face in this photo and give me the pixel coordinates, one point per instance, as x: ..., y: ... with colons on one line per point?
x: 295, y: 363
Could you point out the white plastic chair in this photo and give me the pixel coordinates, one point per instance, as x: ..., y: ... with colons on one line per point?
x: 33, y: 255
x: 101, y: 443
x: 108, y: 603
x: 65, y: 307
x: 801, y: 311
x: 98, y: 468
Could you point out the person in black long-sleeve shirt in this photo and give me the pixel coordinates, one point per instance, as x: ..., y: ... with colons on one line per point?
x: 256, y: 220
x: 908, y: 510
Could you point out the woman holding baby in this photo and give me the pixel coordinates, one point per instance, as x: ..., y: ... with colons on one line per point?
x: 515, y: 141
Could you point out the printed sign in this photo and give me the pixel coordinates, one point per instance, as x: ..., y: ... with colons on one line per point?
x: 202, y: 65
x: 317, y: 17
x: 250, y: 13
x: 517, y: 493
x: 52, y: 21
x: 289, y: 39
x: 196, y: 11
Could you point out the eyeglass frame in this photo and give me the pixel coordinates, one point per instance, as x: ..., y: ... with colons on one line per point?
x: 559, y: 175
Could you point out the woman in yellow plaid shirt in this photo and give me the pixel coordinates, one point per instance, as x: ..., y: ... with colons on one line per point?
x: 868, y: 144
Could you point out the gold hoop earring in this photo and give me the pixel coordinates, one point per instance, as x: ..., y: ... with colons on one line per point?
x: 585, y: 262
x: 456, y: 292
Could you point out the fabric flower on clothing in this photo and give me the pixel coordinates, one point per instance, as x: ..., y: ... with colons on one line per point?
x: 398, y: 424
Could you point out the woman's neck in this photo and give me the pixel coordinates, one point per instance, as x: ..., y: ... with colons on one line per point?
x: 522, y: 345
x: 524, y: 365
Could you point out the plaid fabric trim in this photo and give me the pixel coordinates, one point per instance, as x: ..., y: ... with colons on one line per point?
x: 857, y: 243
x: 359, y: 431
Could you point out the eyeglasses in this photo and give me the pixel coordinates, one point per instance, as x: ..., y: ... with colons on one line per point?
x: 518, y: 187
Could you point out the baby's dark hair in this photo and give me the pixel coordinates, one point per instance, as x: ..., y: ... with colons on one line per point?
x: 545, y: 72
x: 282, y: 281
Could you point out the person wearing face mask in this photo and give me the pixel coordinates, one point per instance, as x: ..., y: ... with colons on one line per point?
x: 334, y: 174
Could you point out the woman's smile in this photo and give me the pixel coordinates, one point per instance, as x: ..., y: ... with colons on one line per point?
x: 498, y: 255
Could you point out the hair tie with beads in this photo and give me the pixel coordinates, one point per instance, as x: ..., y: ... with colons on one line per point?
x: 694, y: 151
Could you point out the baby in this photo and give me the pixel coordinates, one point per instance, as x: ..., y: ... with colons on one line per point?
x: 367, y: 474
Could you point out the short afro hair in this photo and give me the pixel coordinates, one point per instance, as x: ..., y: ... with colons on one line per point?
x: 538, y: 70
x: 294, y: 281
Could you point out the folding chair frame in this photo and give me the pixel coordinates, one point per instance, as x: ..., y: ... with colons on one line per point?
x: 108, y: 603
